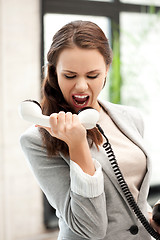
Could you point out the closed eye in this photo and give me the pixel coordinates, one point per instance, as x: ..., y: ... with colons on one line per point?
x: 92, y: 77
x: 72, y: 76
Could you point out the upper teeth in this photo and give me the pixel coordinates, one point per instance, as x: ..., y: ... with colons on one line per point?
x: 80, y: 96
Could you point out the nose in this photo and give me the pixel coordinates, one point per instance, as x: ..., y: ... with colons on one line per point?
x: 81, y: 85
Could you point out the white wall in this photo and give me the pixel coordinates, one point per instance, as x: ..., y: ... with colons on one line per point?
x: 20, y: 196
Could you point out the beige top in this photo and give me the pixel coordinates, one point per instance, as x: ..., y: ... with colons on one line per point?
x: 130, y: 158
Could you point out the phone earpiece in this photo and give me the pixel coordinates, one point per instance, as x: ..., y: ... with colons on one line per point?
x: 30, y: 111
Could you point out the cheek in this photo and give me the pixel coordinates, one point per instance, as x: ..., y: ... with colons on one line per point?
x: 61, y: 84
x: 98, y: 86
x: 65, y: 87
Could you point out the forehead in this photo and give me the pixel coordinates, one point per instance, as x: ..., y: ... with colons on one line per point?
x: 80, y: 58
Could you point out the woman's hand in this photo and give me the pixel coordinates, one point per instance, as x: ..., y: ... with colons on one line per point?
x: 67, y: 127
x: 153, y: 223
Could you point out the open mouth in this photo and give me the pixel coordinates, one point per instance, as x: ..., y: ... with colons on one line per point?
x: 80, y: 100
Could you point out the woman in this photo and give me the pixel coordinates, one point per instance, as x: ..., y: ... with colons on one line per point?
x: 71, y: 166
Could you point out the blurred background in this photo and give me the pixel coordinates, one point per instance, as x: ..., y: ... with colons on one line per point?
x: 26, y: 30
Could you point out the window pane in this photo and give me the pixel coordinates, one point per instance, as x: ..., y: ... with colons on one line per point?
x: 144, y: 2
x: 53, y: 22
x: 140, y: 50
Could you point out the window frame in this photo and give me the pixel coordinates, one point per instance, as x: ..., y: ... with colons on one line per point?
x: 110, y: 10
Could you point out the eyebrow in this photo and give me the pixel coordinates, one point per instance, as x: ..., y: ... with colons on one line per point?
x: 69, y: 71
x: 93, y: 71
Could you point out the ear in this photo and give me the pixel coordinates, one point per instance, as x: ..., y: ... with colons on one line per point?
x: 107, y: 69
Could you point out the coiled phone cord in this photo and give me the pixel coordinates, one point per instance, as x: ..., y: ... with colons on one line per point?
x: 125, y: 188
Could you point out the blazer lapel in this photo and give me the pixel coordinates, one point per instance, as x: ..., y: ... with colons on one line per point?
x: 126, y: 125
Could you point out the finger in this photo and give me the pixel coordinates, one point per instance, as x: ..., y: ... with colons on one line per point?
x: 155, y: 226
x: 61, y: 121
x: 53, y: 122
x: 75, y: 119
x: 68, y: 118
x: 47, y: 128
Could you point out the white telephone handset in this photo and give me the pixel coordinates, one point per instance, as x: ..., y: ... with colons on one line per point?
x: 30, y: 111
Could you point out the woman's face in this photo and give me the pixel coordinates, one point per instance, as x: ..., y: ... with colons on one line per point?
x: 81, y: 74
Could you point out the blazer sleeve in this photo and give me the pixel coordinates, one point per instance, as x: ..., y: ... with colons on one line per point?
x: 85, y: 216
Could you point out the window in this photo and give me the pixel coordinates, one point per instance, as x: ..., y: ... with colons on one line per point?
x: 140, y: 34
x: 144, y: 2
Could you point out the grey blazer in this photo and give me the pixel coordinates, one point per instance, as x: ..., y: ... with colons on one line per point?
x: 107, y: 216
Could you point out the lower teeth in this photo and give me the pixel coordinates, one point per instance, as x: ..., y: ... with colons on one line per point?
x: 80, y: 104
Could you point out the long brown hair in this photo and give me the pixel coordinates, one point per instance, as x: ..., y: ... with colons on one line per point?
x: 83, y: 34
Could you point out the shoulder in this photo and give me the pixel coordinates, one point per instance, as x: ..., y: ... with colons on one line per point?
x: 129, y: 110
x: 31, y: 136
x: 112, y: 107
x: 34, y: 150
x: 32, y: 145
